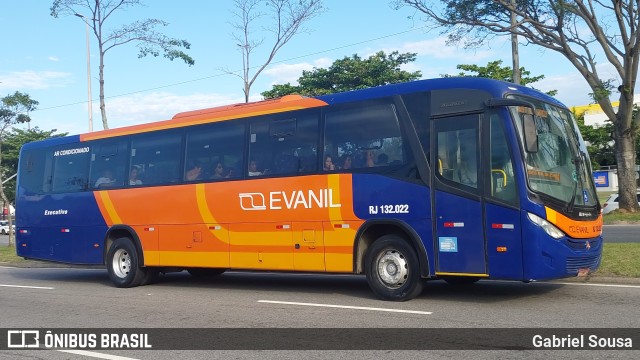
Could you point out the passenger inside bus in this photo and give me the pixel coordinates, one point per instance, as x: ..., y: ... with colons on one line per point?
x: 194, y: 172
x: 328, y: 163
x: 253, y: 169
x: 133, y: 177
x: 106, y: 180
x: 218, y: 172
x: 346, y: 162
x: 370, y: 159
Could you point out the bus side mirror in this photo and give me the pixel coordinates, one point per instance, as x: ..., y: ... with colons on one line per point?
x: 530, y: 134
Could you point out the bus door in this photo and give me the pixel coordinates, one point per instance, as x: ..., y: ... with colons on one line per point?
x: 502, y: 214
x: 459, y: 242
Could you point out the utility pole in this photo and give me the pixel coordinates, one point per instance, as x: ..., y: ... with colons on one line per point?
x: 515, y: 57
x: 89, y: 103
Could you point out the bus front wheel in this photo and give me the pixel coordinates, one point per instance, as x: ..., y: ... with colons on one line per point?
x: 392, y: 269
x: 122, y: 264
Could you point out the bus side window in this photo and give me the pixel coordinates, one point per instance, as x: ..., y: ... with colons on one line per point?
x: 283, y: 144
x: 70, y: 170
x: 217, y: 148
x: 108, y: 164
x: 157, y: 156
x: 368, y: 133
x: 36, y: 166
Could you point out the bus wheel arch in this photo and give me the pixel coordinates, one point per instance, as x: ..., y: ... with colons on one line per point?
x: 122, y: 231
x: 374, y: 230
x: 123, y: 254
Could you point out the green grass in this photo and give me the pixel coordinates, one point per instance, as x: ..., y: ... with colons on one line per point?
x: 618, y: 260
x: 8, y: 255
x: 616, y: 217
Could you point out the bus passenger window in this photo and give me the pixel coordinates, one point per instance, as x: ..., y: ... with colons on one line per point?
x: 367, y: 134
x: 109, y: 163
x: 283, y: 145
x: 157, y: 157
x: 217, y: 150
x: 71, y: 170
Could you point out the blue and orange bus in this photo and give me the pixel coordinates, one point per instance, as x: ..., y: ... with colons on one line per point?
x: 460, y: 179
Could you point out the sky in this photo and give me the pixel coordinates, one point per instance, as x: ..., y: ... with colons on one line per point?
x: 46, y: 57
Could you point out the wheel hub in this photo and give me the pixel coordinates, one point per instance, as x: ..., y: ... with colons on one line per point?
x: 393, y: 268
x: 121, y: 263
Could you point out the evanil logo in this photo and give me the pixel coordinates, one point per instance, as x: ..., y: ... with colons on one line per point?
x: 296, y: 199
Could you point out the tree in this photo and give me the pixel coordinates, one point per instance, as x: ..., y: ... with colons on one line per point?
x: 579, y: 30
x: 493, y: 70
x: 144, y: 33
x: 350, y: 73
x: 288, y: 17
x: 11, y: 144
x: 599, y: 142
x: 14, y: 109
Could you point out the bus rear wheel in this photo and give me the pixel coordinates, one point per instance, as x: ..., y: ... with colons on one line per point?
x: 392, y: 269
x: 122, y: 264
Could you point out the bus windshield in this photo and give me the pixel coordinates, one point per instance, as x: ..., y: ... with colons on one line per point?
x: 561, y: 166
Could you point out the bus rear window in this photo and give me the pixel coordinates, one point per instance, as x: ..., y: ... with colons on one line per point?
x: 35, y: 172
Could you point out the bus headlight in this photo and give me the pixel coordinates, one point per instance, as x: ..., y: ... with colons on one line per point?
x: 548, y: 227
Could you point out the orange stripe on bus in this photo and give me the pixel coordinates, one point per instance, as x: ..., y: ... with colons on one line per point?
x: 107, y: 208
x: 338, y: 249
x: 576, y: 229
x: 260, y: 249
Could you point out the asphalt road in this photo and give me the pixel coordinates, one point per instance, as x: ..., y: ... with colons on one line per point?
x: 82, y: 298
x: 621, y: 233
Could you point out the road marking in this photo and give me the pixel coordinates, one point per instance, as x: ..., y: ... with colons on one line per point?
x: 96, y: 355
x: 347, y: 307
x: 601, y: 285
x: 28, y: 287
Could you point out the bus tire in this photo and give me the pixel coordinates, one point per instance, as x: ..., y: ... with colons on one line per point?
x: 151, y: 275
x: 392, y: 269
x: 122, y: 264
x: 205, y: 272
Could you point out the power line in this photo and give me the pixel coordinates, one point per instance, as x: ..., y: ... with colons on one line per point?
x: 235, y: 71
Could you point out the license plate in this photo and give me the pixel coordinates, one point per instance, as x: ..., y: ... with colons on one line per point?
x: 583, y: 272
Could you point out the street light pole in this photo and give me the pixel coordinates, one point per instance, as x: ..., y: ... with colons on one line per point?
x: 89, y: 103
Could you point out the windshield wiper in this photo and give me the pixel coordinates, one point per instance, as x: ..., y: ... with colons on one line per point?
x: 577, y: 161
x: 572, y: 202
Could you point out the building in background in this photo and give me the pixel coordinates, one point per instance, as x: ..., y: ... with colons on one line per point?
x: 606, y: 178
x: 593, y: 114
